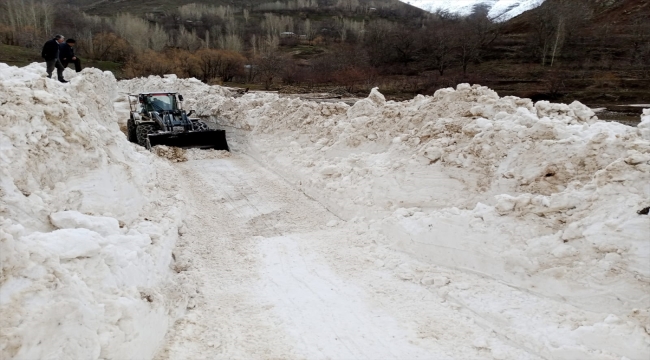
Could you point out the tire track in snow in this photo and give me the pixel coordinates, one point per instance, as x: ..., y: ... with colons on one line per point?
x: 328, y: 315
x: 276, y: 282
x: 228, y: 322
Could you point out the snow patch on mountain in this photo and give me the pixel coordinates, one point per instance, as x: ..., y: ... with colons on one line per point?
x: 500, y: 10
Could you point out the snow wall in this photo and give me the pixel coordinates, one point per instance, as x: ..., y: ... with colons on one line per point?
x: 88, y: 222
x: 543, y: 197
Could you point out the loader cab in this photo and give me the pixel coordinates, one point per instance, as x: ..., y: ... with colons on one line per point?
x: 158, y: 102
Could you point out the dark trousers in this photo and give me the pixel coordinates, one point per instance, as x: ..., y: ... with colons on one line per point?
x: 55, y: 63
x: 77, y: 64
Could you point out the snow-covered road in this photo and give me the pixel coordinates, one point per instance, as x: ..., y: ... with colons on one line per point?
x: 281, y: 277
x: 459, y: 226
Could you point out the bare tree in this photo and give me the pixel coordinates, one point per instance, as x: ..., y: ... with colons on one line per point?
x: 28, y: 20
x: 106, y: 46
x: 545, y: 26
x: 377, y: 40
x: 639, y: 41
x: 140, y: 34
x: 559, y: 38
x: 404, y: 43
x: 438, y: 45
x: 467, y: 44
x: 274, y: 24
x: 554, y: 23
x: 309, y: 30
x: 270, y: 66
x: 231, y: 42
x: 184, y: 39
x: 473, y: 35
x: 219, y: 64
x: 348, y: 5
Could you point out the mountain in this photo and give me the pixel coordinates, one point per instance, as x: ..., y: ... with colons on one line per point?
x: 500, y: 10
x: 112, y: 7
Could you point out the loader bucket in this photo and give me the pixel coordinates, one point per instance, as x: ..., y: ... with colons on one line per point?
x: 209, y: 139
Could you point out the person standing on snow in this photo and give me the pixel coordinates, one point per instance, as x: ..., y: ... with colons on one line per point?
x: 66, y: 55
x: 51, y: 55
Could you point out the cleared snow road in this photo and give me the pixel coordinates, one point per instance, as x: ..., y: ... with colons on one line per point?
x: 281, y: 277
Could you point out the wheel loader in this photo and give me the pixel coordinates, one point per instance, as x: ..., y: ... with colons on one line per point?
x: 159, y: 119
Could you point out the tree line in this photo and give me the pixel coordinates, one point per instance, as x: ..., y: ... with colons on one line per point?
x: 344, y: 42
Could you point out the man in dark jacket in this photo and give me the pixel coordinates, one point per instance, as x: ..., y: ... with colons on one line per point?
x: 67, y: 56
x: 51, y: 55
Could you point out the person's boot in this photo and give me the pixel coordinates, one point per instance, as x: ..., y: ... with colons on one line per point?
x: 63, y: 81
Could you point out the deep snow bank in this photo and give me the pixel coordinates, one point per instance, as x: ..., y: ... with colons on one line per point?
x: 86, y: 224
x: 543, y: 197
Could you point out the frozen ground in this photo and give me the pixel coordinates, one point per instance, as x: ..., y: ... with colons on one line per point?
x: 459, y: 226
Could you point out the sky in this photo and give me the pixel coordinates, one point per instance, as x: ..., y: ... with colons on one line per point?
x: 501, y: 10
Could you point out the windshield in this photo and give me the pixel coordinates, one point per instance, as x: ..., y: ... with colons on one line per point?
x: 162, y: 102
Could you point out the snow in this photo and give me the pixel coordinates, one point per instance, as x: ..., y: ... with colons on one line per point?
x: 500, y: 10
x: 459, y: 225
x: 282, y: 277
x: 75, y: 220
x: 542, y: 197
x: 83, y: 273
x: 385, y: 338
x: 644, y: 126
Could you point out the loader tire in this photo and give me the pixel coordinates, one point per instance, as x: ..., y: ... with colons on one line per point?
x: 130, y: 131
x: 200, y: 126
x: 143, y: 132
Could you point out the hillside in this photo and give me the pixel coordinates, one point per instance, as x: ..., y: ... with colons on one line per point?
x: 604, y: 54
x: 111, y: 7
x: 594, y: 51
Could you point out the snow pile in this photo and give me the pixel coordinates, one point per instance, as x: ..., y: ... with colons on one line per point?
x: 543, y: 197
x: 86, y: 224
x: 167, y: 83
x: 644, y: 126
x: 182, y: 155
x: 172, y: 154
x: 206, y: 154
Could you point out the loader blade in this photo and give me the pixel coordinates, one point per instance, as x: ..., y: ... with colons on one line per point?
x: 209, y: 139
